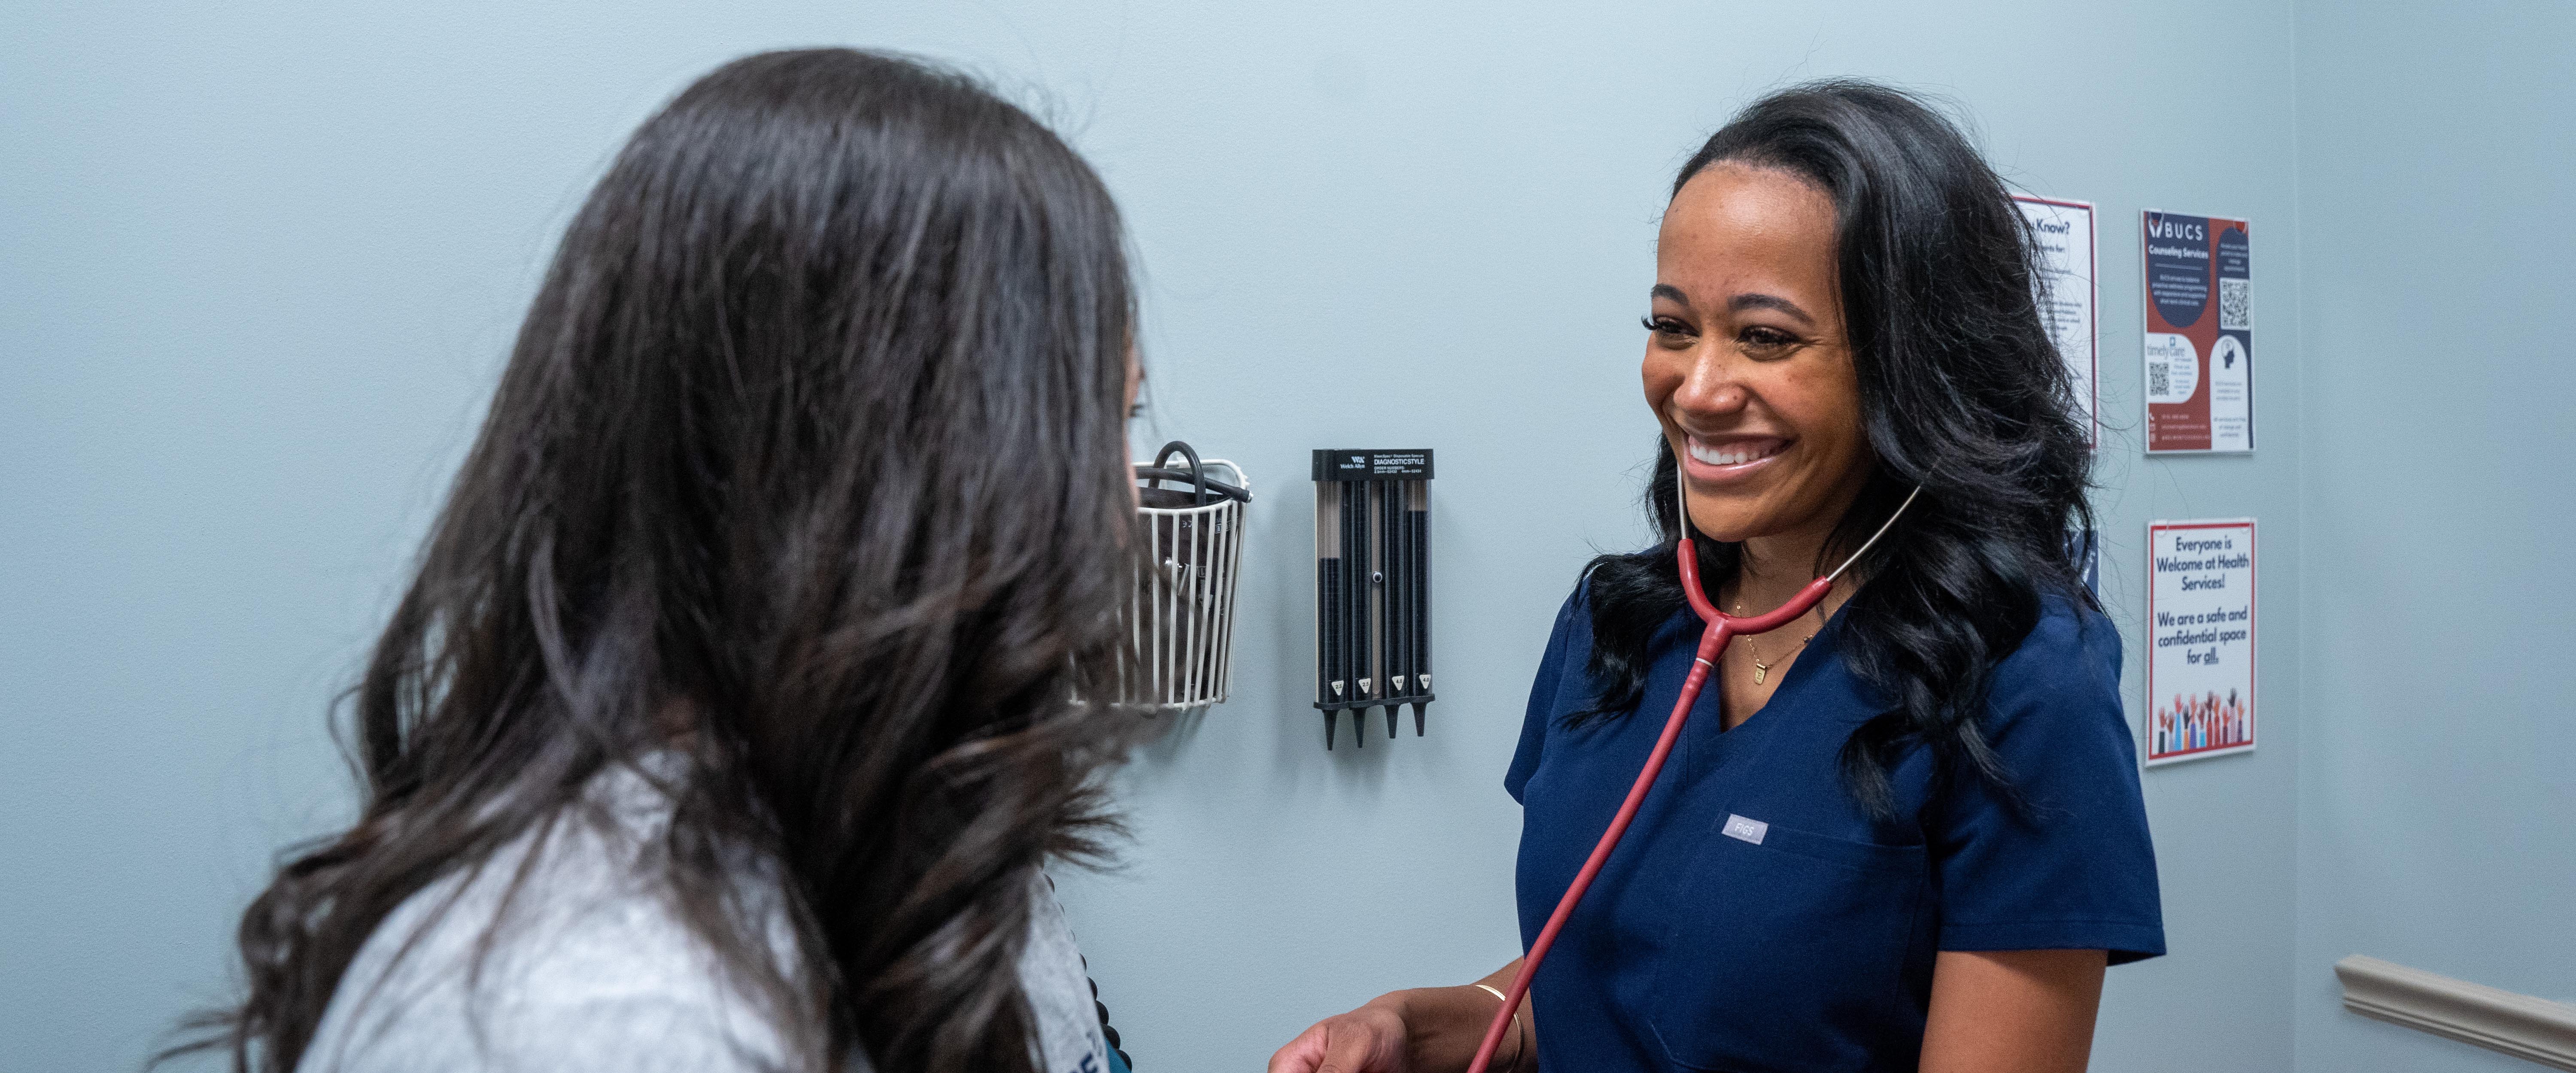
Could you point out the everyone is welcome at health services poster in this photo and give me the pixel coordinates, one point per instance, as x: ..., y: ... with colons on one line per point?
x: 2200, y: 639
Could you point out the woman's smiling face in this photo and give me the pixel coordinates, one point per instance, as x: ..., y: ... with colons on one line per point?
x: 1747, y: 364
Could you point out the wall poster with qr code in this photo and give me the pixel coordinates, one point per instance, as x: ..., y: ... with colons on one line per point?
x: 2200, y: 639
x: 2200, y: 333
x: 2063, y: 233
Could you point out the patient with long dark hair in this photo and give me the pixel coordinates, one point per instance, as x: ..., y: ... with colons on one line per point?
x: 734, y: 709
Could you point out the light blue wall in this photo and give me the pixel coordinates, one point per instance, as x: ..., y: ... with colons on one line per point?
x: 260, y: 264
x: 2437, y: 804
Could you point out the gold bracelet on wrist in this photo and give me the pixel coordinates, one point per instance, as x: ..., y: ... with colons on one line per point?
x: 1520, y: 1035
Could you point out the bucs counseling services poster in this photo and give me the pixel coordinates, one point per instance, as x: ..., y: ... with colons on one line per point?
x: 2200, y: 333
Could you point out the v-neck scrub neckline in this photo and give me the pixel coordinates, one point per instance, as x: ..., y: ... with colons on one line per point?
x: 1711, y: 705
x: 1755, y: 917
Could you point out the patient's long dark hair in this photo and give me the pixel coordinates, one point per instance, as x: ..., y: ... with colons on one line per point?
x: 809, y: 464
x: 1961, y: 391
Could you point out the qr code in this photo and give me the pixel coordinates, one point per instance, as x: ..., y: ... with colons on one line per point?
x: 2235, y: 305
x: 2159, y: 380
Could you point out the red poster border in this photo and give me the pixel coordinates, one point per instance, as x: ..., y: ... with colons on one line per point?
x: 2253, y: 643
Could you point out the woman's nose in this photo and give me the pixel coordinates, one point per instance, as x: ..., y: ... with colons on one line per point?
x: 1710, y: 388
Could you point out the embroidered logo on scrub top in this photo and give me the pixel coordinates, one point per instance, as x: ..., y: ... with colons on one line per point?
x: 1747, y: 830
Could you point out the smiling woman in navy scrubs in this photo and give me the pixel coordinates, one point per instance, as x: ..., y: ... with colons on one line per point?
x: 1904, y: 831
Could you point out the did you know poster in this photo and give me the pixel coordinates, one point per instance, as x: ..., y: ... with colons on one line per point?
x: 2063, y: 231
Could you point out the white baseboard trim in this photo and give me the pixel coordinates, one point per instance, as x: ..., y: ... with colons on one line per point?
x: 2529, y: 1028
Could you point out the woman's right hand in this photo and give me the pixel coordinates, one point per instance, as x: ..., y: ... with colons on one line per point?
x: 1424, y: 1030
x: 1371, y: 1039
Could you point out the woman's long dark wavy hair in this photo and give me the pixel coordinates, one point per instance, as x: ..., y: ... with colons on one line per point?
x: 808, y: 465
x: 1961, y: 392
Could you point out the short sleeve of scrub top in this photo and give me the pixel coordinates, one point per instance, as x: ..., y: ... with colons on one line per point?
x: 1755, y: 917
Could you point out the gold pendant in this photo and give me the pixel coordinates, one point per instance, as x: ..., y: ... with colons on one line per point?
x: 1760, y: 671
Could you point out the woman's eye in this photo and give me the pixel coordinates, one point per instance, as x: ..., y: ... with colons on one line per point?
x: 1666, y: 326
x: 1759, y: 339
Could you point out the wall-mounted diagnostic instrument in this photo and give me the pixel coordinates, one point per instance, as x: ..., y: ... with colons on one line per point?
x: 1181, y: 613
x: 1372, y: 586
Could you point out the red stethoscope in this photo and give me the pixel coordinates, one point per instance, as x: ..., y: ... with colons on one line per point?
x: 1712, y: 642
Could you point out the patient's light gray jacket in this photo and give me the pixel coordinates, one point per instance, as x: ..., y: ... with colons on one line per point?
x: 596, y: 971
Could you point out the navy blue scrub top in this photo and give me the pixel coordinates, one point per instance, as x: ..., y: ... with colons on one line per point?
x: 1755, y: 917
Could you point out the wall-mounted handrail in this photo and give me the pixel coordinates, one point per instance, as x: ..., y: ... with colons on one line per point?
x: 2526, y: 1027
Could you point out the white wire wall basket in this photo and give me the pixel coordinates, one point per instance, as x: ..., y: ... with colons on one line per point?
x: 1180, y: 613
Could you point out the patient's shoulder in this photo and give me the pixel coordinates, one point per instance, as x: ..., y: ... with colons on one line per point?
x: 562, y: 952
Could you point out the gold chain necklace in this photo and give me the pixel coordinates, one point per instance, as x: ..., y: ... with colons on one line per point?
x: 1762, y: 670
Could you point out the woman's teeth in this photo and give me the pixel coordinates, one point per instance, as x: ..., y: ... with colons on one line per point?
x: 1736, y: 454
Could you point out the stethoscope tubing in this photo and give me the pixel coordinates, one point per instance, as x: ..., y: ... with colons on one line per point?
x: 1721, y: 628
